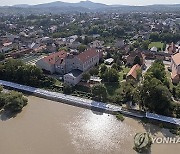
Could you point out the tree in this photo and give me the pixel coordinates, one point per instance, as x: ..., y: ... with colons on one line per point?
x: 17, y: 71
x: 67, y: 89
x: 155, y: 97
x: 157, y: 70
x: 99, y: 92
x: 128, y: 90
x: 94, y: 71
x: 2, y: 56
x: 2, y: 100
x: 178, y: 91
x: 82, y: 48
x: 1, y: 89
x: 145, y: 44
x: 15, y: 102
x: 110, y: 75
x: 136, y: 44
x: 86, y: 77
x: 103, y: 68
x: 154, y: 37
x: 139, y: 74
x: 137, y: 60
x: 115, y: 66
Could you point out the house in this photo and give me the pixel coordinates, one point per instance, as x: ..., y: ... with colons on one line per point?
x: 175, y: 67
x: 20, y: 53
x: 74, y: 45
x: 119, y: 43
x: 109, y: 61
x: 133, y: 55
x: 7, y: 46
x: 132, y: 75
x: 97, y: 44
x: 73, y: 77
x: 53, y: 63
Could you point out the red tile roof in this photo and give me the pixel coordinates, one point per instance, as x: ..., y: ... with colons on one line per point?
x: 55, y: 57
x: 176, y: 58
x: 86, y: 55
x: 133, y: 71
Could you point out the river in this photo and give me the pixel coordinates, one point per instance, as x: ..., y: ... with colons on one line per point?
x: 47, y: 127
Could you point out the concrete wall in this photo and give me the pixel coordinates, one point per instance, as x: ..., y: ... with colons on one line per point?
x: 43, y: 65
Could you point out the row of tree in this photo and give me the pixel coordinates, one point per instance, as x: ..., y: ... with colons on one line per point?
x: 165, y: 37
x: 154, y: 94
x: 17, y: 71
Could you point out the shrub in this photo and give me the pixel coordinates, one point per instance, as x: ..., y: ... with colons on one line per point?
x: 120, y: 117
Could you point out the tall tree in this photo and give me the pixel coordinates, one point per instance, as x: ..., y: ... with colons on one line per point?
x: 99, y: 92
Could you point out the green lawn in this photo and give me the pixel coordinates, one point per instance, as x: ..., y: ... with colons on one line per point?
x: 156, y: 44
x: 112, y: 87
x: 58, y: 83
x: 124, y: 71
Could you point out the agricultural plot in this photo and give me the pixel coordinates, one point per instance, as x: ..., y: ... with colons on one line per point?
x: 31, y: 59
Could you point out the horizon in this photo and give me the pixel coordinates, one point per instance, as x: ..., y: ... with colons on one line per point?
x: 112, y: 2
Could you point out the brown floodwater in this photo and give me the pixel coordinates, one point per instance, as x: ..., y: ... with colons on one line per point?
x: 47, y: 127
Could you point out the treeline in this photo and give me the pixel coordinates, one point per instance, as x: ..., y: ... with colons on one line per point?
x: 16, y: 71
x: 165, y: 37
x: 154, y: 94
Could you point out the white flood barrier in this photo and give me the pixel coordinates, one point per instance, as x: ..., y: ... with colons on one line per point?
x: 77, y: 101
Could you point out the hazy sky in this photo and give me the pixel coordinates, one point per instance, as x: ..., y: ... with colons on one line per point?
x: 129, y: 2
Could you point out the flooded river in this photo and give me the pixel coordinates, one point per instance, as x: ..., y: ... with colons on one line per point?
x: 47, y: 127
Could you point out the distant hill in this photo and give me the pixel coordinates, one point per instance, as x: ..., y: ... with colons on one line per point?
x: 84, y: 6
x: 22, y: 5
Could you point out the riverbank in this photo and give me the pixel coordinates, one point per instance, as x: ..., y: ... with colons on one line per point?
x: 90, y: 104
x: 46, y: 126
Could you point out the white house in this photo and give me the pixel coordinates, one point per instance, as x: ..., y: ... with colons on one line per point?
x: 73, y: 77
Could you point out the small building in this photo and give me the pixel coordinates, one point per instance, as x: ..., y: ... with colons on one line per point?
x: 20, y: 53
x: 109, y: 61
x: 97, y: 44
x: 175, y: 67
x: 154, y: 49
x: 73, y: 77
x: 132, y: 75
x: 95, y: 79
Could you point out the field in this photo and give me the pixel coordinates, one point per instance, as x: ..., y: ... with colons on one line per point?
x: 31, y: 59
x: 124, y: 71
x: 157, y: 45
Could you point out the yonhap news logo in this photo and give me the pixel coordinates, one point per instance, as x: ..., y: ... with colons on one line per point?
x: 165, y: 140
x: 145, y: 137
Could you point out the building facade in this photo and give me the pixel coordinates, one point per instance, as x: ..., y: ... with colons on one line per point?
x: 68, y: 64
x: 175, y: 67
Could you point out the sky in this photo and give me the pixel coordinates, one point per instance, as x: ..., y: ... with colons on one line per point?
x: 122, y: 2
